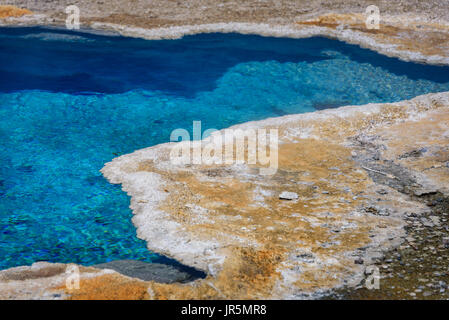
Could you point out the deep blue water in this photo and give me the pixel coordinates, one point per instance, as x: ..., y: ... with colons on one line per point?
x: 70, y: 102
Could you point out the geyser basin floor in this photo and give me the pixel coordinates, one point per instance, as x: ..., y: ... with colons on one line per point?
x: 71, y: 102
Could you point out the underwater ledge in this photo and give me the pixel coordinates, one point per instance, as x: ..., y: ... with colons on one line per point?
x: 348, y: 132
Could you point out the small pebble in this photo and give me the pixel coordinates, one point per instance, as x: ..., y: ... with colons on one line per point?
x: 285, y: 195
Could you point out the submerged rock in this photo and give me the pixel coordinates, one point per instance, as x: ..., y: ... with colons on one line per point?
x: 163, y: 273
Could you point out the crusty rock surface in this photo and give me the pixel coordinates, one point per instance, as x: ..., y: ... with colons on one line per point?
x: 7, y: 11
x: 358, y: 170
x: 228, y: 220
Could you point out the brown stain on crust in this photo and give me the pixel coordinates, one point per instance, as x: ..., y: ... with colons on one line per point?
x: 425, y: 38
x: 7, y: 11
x: 278, y: 226
x: 109, y: 287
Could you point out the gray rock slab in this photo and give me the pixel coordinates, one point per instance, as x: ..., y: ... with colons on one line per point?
x: 163, y: 273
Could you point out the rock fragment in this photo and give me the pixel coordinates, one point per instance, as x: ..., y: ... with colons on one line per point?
x: 285, y: 195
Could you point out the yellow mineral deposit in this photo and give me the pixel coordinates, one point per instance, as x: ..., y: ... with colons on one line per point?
x: 7, y: 11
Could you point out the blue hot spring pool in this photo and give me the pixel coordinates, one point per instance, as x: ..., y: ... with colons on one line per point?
x: 70, y: 102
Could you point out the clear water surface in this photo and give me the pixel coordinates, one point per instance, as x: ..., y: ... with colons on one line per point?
x: 70, y: 102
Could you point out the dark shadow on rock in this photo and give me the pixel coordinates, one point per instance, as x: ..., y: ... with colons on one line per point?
x: 168, y: 272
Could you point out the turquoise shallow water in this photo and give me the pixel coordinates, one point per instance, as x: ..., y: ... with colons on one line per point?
x: 70, y: 102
